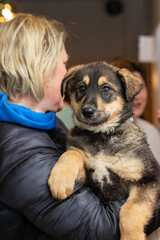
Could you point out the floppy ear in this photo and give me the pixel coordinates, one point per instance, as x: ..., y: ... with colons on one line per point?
x: 132, y: 84
x: 69, y: 75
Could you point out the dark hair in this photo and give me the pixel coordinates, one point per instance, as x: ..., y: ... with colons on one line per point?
x: 132, y: 66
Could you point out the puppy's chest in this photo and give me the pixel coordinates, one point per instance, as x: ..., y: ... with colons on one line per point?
x: 108, y: 165
x: 106, y: 176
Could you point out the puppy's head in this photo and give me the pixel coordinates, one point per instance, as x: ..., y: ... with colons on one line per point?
x: 101, y: 95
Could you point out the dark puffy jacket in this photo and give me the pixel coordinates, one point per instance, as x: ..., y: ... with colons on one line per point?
x: 27, y: 209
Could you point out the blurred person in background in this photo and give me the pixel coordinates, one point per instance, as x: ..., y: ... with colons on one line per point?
x: 140, y: 102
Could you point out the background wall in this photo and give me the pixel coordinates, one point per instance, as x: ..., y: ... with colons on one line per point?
x: 94, y: 34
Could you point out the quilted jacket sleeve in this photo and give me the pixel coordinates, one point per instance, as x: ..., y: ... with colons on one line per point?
x: 29, y: 156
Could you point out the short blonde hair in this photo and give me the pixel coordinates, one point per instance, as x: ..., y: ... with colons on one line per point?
x: 29, y: 47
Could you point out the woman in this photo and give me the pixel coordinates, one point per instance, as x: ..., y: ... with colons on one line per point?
x: 140, y: 102
x: 32, y: 66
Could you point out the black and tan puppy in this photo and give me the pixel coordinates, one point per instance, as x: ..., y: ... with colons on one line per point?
x: 105, y: 149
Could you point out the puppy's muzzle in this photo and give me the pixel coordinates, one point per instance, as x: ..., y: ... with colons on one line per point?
x: 88, y: 112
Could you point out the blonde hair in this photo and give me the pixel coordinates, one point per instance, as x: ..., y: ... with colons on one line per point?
x: 29, y: 47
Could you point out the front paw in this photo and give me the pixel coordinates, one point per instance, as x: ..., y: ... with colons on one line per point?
x: 61, y: 181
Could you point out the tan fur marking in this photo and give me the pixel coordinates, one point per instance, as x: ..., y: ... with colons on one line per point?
x: 136, y: 212
x: 102, y: 80
x: 100, y: 104
x: 86, y: 79
x: 126, y: 167
x: 113, y: 109
x: 76, y: 106
x: 116, y: 108
x: 69, y: 167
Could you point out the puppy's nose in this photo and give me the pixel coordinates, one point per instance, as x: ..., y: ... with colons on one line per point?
x: 88, y: 112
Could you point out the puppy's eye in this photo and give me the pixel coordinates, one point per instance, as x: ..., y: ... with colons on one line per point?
x: 105, y: 89
x: 82, y: 87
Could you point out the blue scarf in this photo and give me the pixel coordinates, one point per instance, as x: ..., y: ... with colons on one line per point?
x: 24, y: 116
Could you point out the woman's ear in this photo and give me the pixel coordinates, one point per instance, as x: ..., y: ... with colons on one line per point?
x: 69, y: 75
x: 132, y: 84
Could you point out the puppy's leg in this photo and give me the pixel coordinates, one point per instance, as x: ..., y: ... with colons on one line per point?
x: 69, y: 167
x: 136, y: 213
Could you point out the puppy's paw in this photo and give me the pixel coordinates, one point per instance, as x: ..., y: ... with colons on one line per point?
x: 64, y: 173
x: 61, y: 181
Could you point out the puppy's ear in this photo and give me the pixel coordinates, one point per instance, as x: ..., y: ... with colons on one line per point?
x: 69, y: 75
x: 132, y: 84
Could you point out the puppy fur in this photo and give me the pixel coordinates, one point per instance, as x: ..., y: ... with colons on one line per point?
x: 106, y: 150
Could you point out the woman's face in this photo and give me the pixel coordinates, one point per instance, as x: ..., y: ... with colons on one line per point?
x: 140, y: 100
x: 53, y: 101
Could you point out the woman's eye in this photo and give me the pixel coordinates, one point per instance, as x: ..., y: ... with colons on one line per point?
x: 82, y: 88
x: 105, y: 89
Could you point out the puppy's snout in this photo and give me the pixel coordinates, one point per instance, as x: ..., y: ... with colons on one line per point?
x: 88, y: 112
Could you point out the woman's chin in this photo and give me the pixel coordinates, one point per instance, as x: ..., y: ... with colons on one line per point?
x: 137, y: 113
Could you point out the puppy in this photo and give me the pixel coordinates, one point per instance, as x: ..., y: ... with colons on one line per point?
x: 106, y: 150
